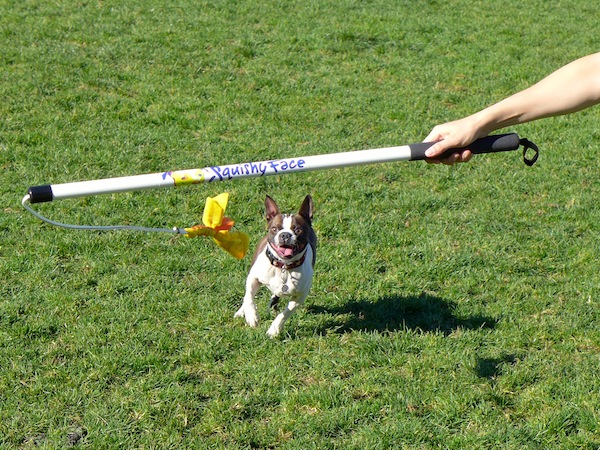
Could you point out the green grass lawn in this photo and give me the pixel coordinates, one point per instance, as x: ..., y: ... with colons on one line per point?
x: 452, y: 308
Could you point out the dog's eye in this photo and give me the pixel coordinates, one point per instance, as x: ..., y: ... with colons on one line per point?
x: 274, y: 230
x: 298, y: 231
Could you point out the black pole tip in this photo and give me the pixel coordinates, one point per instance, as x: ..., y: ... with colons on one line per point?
x: 40, y: 194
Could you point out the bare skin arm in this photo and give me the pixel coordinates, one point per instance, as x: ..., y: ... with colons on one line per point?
x: 571, y: 88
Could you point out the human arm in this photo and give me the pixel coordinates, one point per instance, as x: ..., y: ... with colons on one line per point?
x: 571, y: 88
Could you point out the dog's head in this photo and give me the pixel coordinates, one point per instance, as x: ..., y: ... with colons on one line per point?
x: 289, y: 234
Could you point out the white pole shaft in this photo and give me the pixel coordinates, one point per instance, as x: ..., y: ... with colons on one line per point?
x: 223, y: 173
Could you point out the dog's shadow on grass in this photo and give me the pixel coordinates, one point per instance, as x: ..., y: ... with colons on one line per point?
x: 424, y: 313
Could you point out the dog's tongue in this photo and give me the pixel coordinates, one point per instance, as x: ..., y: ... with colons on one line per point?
x: 286, y: 252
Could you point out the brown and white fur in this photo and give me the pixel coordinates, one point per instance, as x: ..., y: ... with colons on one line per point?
x: 283, y: 262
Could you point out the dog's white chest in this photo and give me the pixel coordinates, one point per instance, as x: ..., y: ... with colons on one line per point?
x: 286, y: 282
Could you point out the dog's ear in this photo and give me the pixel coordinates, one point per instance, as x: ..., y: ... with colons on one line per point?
x: 271, y: 208
x: 306, y: 210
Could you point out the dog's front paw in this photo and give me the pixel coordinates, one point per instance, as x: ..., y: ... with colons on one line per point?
x: 275, y: 328
x: 272, y: 332
x: 249, y: 314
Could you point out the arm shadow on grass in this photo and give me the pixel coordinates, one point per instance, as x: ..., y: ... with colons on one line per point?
x: 424, y: 313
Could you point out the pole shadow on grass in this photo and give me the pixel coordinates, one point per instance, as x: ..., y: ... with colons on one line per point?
x: 424, y: 313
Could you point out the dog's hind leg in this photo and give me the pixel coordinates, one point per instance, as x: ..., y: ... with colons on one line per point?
x: 274, y: 302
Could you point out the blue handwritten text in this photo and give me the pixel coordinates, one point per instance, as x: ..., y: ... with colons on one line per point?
x: 259, y: 169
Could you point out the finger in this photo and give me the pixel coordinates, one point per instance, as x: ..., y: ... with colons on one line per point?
x: 452, y: 159
x: 466, y: 156
x: 458, y: 157
x: 449, y: 160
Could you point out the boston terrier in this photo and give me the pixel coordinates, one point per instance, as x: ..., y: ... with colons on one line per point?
x: 283, y: 262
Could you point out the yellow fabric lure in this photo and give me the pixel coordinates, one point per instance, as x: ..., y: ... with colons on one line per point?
x: 217, y: 226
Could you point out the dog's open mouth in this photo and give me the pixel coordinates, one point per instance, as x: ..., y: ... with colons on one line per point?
x: 285, y: 251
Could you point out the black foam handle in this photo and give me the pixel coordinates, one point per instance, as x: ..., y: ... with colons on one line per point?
x: 488, y: 144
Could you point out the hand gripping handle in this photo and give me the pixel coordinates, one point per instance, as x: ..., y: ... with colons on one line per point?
x: 489, y: 144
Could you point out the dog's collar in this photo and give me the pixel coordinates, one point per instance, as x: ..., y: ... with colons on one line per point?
x: 280, y: 264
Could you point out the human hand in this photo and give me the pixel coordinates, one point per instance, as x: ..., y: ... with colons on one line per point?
x: 457, y: 134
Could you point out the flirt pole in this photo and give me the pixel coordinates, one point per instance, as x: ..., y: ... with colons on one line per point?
x: 210, y: 174
x: 412, y: 152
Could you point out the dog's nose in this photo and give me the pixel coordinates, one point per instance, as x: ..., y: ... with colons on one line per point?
x: 285, y: 237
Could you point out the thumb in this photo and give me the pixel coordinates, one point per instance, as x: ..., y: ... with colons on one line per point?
x: 436, y: 149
